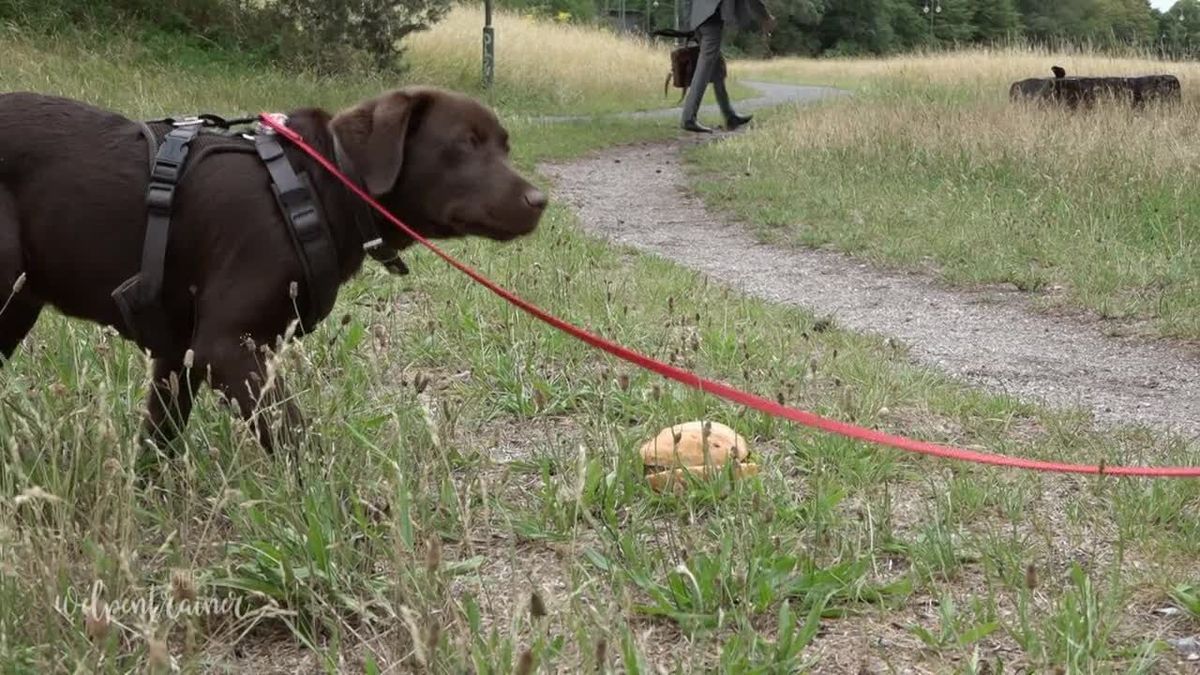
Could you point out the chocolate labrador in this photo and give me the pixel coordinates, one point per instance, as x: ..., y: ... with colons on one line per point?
x: 73, y: 216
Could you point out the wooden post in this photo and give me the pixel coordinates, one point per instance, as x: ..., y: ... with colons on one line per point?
x: 489, y: 46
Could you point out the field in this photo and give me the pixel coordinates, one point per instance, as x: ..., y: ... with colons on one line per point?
x: 469, y: 497
x: 930, y: 166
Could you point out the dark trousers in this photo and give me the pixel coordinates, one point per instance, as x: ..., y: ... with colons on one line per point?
x: 709, y: 34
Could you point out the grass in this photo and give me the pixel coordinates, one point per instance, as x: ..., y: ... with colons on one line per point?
x: 469, y: 497
x: 930, y: 166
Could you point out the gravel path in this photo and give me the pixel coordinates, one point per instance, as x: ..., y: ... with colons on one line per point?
x: 638, y: 196
x: 770, y: 94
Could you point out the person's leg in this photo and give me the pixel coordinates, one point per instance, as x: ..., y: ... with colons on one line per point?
x: 709, y: 34
x: 732, y: 119
x: 722, y: 94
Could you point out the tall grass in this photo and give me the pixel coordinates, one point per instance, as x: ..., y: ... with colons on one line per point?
x: 931, y: 164
x: 543, y: 64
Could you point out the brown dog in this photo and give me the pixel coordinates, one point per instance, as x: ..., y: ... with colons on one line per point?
x: 73, y: 215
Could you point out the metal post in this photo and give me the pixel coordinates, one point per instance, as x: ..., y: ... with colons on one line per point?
x: 931, y: 8
x: 489, y: 46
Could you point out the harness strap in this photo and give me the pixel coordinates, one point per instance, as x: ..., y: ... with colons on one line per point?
x: 160, y: 195
x: 151, y: 142
x: 313, y: 243
x: 139, y: 298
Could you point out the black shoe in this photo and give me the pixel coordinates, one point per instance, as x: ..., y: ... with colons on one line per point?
x: 737, y: 121
x: 696, y: 127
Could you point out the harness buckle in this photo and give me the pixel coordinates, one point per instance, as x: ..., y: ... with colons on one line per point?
x: 165, y: 171
x: 159, y: 197
x: 189, y: 121
x: 306, y: 223
x: 373, y: 244
x: 294, y: 198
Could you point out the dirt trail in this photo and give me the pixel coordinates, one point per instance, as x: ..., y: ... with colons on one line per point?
x: 638, y: 196
x: 769, y: 94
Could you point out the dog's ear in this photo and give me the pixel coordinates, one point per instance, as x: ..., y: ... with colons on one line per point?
x: 372, y: 134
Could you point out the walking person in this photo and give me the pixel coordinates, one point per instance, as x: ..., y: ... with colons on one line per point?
x: 708, y: 19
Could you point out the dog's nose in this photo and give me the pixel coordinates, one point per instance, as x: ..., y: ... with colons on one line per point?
x: 536, y: 199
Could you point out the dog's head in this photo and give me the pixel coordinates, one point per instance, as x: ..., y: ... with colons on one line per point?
x: 440, y: 162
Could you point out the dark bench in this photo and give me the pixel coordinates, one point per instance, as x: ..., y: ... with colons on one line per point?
x: 1086, y: 91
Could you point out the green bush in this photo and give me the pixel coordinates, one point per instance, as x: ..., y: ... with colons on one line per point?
x: 331, y: 36
x: 324, y: 36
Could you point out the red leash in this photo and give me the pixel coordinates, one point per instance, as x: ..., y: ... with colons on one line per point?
x: 723, y: 390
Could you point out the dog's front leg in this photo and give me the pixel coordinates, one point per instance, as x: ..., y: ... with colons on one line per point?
x: 169, y: 402
x: 239, y: 371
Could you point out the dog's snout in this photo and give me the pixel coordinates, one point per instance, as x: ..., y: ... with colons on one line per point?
x: 536, y: 199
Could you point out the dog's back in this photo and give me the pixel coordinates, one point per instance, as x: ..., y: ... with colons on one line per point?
x: 74, y: 178
x: 39, y: 129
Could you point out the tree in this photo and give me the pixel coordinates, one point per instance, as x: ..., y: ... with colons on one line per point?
x: 856, y: 27
x: 796, y: 31
x: 1179, y: 29
x: 952, y: 25
x: 1129, y: 22
x: 908, y: 24
x: 1047, y: 22
x: 995, y: 20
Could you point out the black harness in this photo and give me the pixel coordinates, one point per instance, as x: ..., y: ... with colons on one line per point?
x: 140, y: 298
